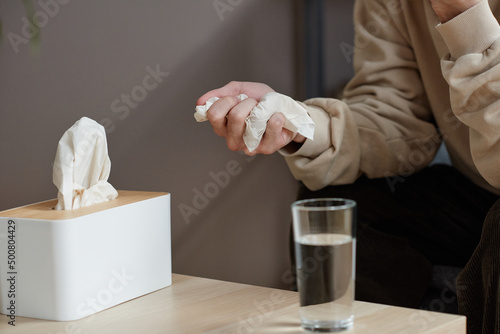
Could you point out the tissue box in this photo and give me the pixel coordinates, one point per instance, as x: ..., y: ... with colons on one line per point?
x: 65, y: 265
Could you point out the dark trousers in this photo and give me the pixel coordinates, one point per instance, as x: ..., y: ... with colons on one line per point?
x: 408, y: 225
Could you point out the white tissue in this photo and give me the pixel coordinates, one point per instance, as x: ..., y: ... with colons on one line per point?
x: 201, y: 111
x: 81, y: 167
x: 296, y: 117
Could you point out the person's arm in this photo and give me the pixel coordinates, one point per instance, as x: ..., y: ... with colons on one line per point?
x: 472, y: 69
x: 383, y: 126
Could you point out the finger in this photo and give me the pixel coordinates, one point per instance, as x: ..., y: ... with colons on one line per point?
x: 216, y: 114
x: 236, y: 124
x: 247, y: 152
x: 254, y: 90
x: 275, y: 136
x: 231, y: 89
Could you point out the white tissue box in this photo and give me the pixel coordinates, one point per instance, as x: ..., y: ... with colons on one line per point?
x: 65, y: 265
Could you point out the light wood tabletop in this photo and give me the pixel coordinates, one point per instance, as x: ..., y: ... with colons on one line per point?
x: 200, y: 305
x: 45, y: 210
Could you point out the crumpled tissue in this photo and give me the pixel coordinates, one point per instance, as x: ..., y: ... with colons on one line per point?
x: 82, y: 166
x: 296, y: 117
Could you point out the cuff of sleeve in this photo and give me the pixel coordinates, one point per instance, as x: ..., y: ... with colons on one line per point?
x: 473, y: 31
x: 322, y: 133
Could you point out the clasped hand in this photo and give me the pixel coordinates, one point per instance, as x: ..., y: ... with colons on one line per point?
x: 227, y: 117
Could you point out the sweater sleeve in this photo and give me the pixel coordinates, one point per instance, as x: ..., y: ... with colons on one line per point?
x: 383, y: 125
x: 472, y: 70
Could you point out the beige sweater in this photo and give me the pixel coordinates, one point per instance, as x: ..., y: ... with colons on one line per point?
x: 416, y: 82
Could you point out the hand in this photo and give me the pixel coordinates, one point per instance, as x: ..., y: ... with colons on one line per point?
x: 227, y: 117
x: 448, y: 9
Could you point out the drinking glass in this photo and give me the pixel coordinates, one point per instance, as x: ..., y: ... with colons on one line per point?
x: 325, y: 251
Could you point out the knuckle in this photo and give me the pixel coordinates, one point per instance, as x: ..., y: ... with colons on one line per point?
x: 233, y: 145
x: 237, y: 117
x: 266, y: 149
x: 214, y: 116
x: 250, y: 101
x: 276, y: 122
x: 233, y: 83
x: 220, y: 132
x: 228, y: 102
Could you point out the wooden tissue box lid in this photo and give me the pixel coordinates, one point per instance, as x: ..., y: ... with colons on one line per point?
x: 45, y: 210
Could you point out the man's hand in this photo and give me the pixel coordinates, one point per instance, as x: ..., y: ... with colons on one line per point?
x: 448, y: 9
x: 227, y: 116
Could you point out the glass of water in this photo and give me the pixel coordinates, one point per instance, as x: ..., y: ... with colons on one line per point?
x: 325, y: 250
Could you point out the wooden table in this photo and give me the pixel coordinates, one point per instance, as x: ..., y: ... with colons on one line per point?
x: 199, y: 305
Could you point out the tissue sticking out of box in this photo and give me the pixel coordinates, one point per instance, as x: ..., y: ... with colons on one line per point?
x: 296, y: 117
x: 82, y: 166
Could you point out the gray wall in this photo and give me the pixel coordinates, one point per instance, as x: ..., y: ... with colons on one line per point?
x: 92, y: 52
x: 339, y: 35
